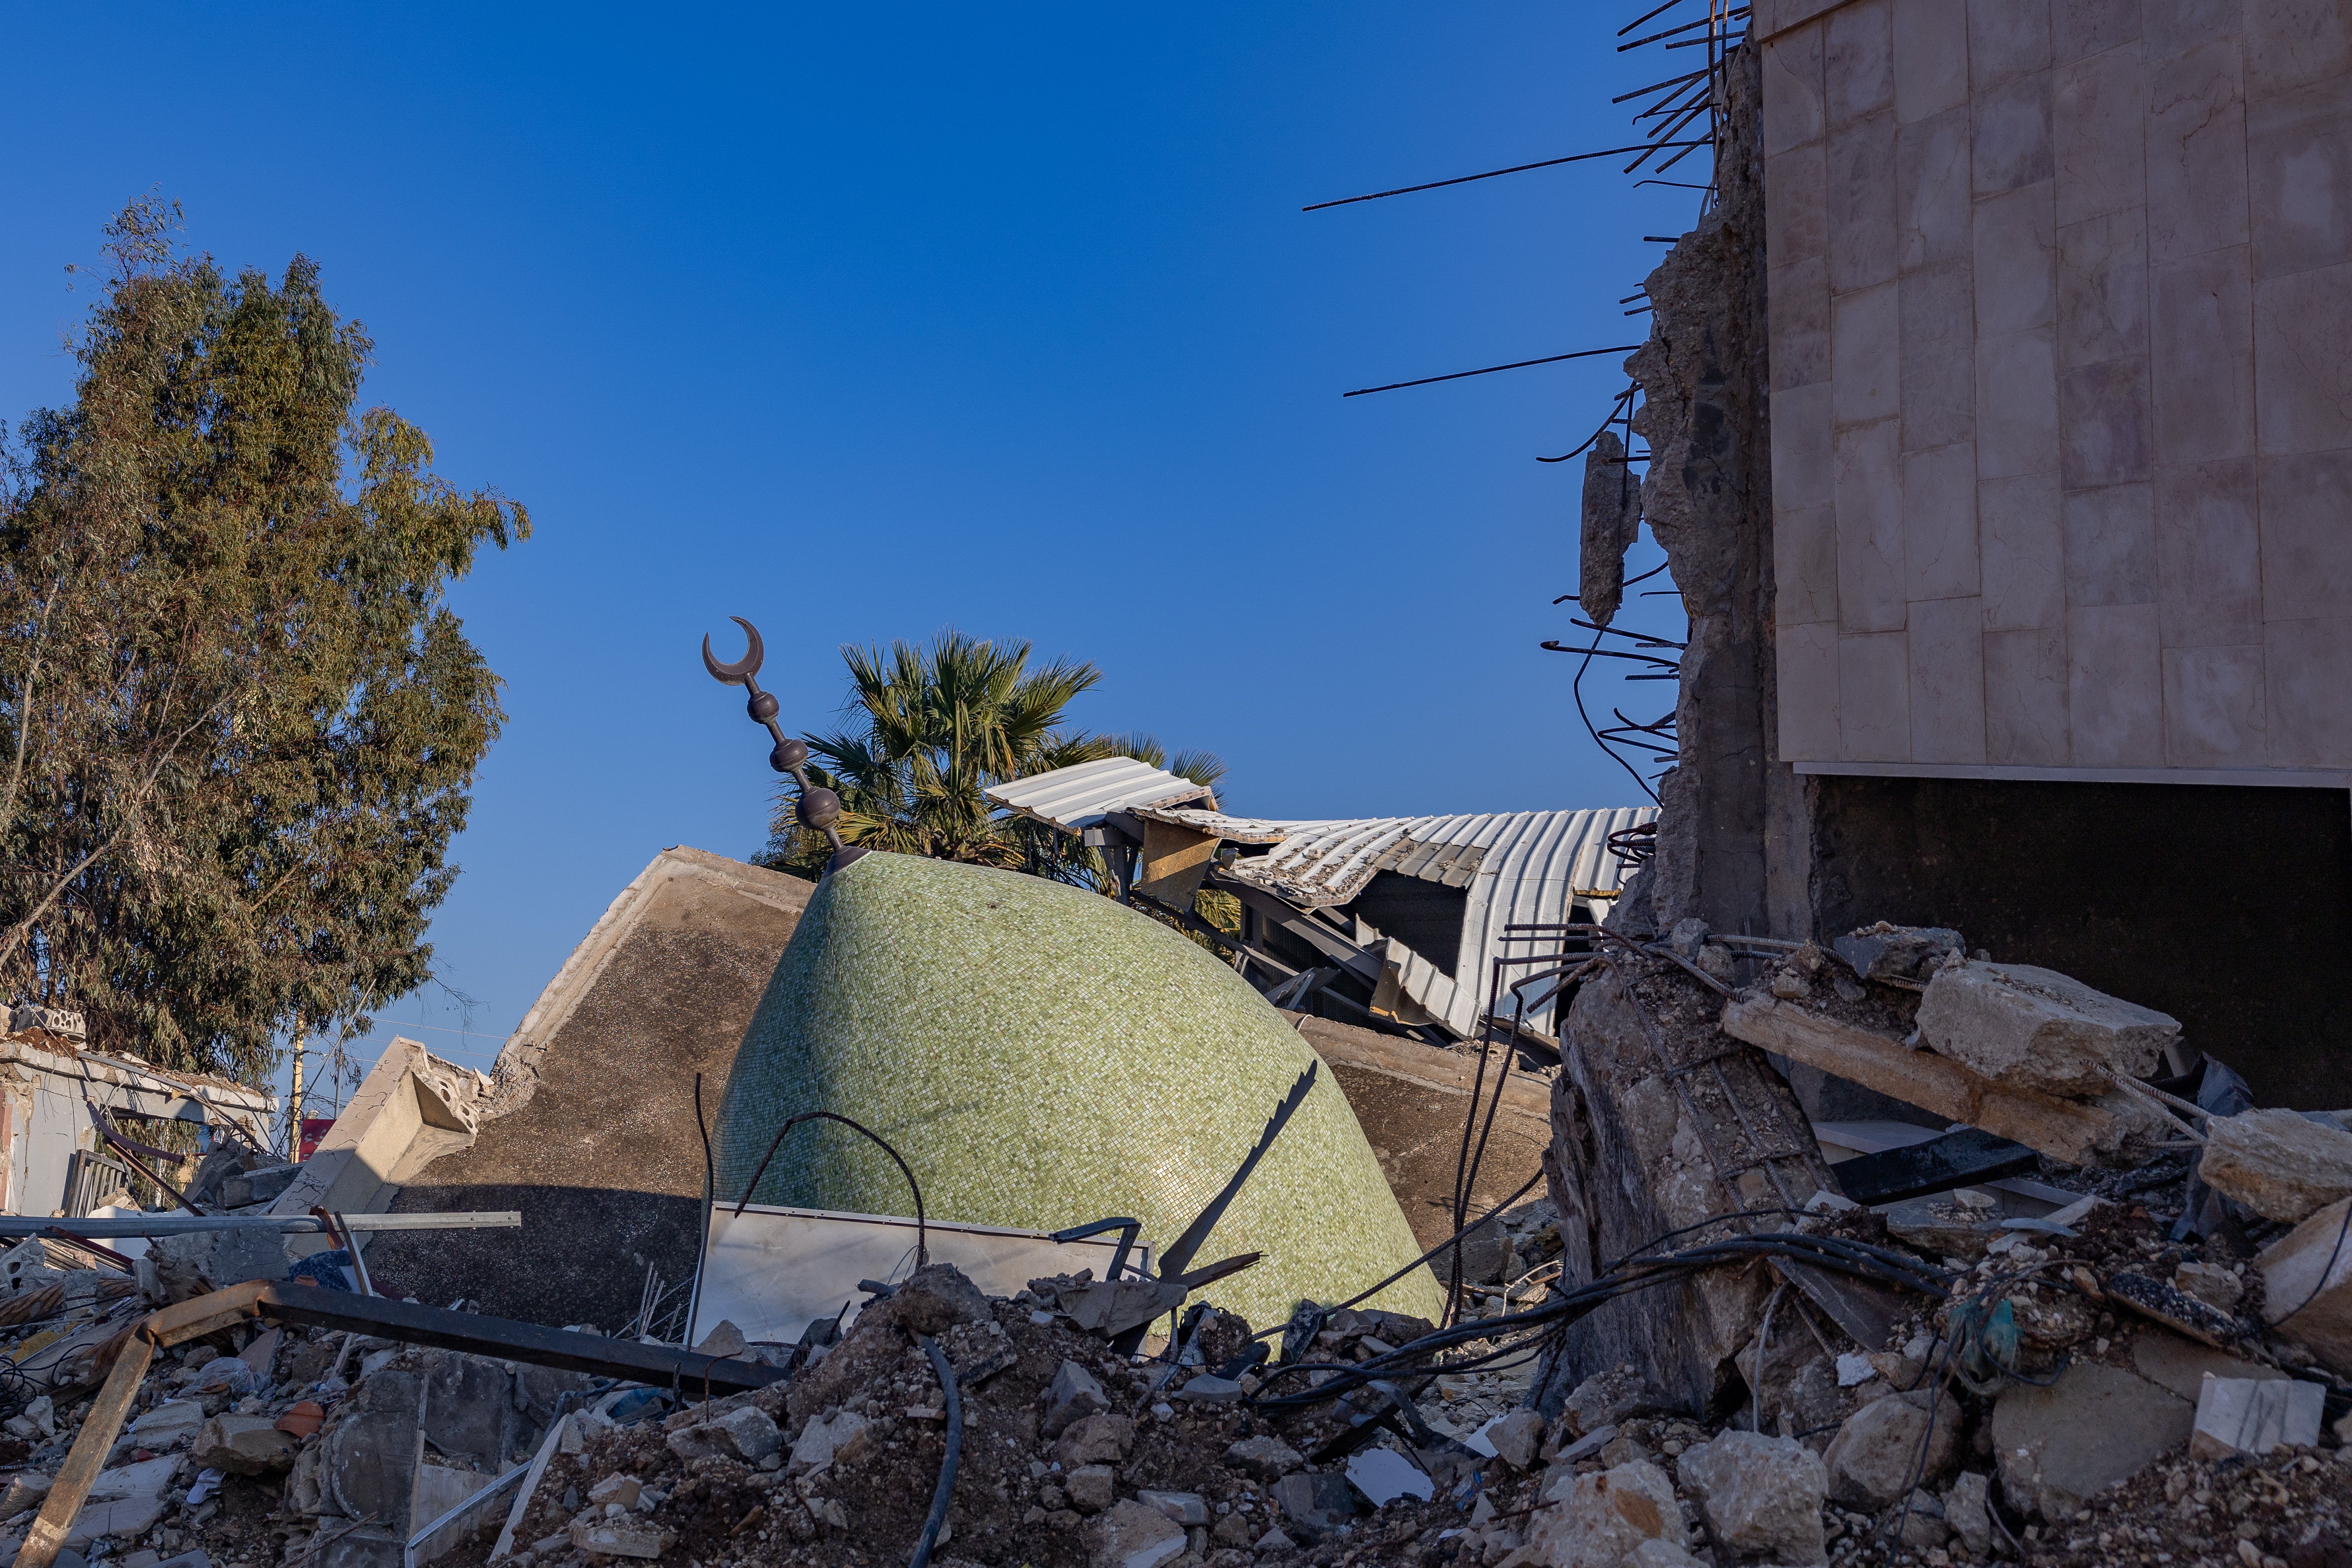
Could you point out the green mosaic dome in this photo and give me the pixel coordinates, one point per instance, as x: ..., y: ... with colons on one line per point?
x: 1044, y: 1057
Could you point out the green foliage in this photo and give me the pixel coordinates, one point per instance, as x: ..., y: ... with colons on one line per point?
x: 238, y: 723
x: 934, y: 725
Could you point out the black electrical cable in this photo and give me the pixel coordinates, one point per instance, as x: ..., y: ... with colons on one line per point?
x: 940, y: 1493
x: 922, y: 1252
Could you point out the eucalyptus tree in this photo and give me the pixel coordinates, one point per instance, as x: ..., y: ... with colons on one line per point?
x: 239, y: 723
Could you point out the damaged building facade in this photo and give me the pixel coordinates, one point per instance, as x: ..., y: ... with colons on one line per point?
x: 2001, y: 456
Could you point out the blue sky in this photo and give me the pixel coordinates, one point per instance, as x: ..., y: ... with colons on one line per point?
x: 864, y: 324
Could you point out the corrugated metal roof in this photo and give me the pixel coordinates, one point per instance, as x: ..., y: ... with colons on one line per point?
x: 1517, y: 867
x: 1514, y: 867
x: 1079, y: 797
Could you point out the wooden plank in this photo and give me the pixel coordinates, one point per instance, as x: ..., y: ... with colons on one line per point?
x: 2064, y: 1129
x: 1175, y: 859
x: 79, y: 1472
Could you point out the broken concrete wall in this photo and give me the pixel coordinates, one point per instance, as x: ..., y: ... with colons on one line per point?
x: 592, y: 1131
x: 1640, y: 1151
x: 1732, y: 832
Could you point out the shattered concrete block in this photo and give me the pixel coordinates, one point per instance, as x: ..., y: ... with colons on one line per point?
x: 935, y: 1298
x: 1073, y: 1394
x: 1097, y: 1440
x: 820, y: 1442
x: 123, y: 1517
x: 726, y: 1340
x: 1660, y: 1555
x: 1210, y: 1389
x: 2279, y: 1164
x: 624, y: 1537
x: 1092, y: 1488
x: 1606, y: 1398
x: 242, y: 1445
x: 1924, y: 1525
x: 2038, y: 1029
x: 2247, y: 1416
x: 1516, y: 1438
x: 1968, y: 1509
x: 1610, y: 521
x: 168, y: 1425
x: 622, y: 1490
x: 1875, y: 1460
x: 1885, y: 952
x: 147, y: 1478
x: 1315, y: 1503
x: 2093, y: 1427
x: 2209, y: 1283
x: 1603, y: 1518
x: 1761, y: 1495
x: 1263, y: 1459
x: 1187, y: 1508
x: 1129, y: 1535
x: 2307, y: 1285
x: 25, y: 1490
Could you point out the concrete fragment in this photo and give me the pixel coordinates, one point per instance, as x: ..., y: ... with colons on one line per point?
x: 1187, y: 1508
x: 1274, y: 1540
x: 2280, y: 1164
x: 2180, y: 1365
x: 1876, y: 1457
x: 1924, y: 1525
x: 1607, y: 1398
x: 726, y: 1340
x: 242, y: 1445
x: 1603, y: 1519
x: 1609, y: 522
x: 2307, y: 1285
x: 25, y: 1490
x: 1885, y: 952
x: 1315, y: 1503
x: 1263, y: 1459
x: 1660, y: 1555
x: 2093, y: 1427
x: 2036, y: 1029
x: 1097, y: 1440
x: 1129, y: 1535
x: 1968, y: 1509
x: 1761, y: 1495
x: 2251, y: 1416
x: 168, y: 1425
x: 127, y: 1516
x: 622, y: 1490
x: 199, y: 1262
x: 147, y: 1478
x: 2209, y: 1283
x: 820, y: 1442
x: 624, y: 1537
x: 1073, y: 1394
x: 1210, y: 1389
x: 1092, y: 1488
x: 935, y: 1298
x: 1516, y: 1438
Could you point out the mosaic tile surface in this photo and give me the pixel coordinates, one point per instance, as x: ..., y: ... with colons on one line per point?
x: 1042, y: 1056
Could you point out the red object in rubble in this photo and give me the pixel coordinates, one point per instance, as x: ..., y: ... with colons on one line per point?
x: 313, y: 1129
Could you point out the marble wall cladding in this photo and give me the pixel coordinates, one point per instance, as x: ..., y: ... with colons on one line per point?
x: 2060, y: 298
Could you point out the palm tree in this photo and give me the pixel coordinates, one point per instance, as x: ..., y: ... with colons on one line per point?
x: 936, y: 723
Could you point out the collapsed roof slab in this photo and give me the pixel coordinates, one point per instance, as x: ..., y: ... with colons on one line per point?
x: 591, y: 1129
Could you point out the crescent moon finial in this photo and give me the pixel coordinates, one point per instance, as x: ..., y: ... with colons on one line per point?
x: 742, y: 670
